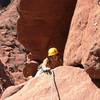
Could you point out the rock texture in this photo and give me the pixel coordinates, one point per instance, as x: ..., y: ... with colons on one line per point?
x: 30, y: 69
x: 6, y: 79
x: 44, y: 24
x: 83, y: 44
x: 72, y: 83
x: 11, y: 90
x: 12, y: 53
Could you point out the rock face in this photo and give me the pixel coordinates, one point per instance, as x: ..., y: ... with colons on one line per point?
x: 12, y: 53
x: 5, y: 78
x: 83, y: 44
x: 30, y: 69
x: 11, y: 90
x: 44, y: 24
x: 72, y: 84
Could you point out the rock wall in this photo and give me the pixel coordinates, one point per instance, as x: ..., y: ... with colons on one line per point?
x: 5, y: 78
x: 39, y: 28
x: 44, y: 24
x: 83, y: 45
x: 75, y: 85
x: 12, y: 53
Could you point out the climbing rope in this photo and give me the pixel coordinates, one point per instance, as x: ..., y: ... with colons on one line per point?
x: 55, y: 85
x: 53, y: 80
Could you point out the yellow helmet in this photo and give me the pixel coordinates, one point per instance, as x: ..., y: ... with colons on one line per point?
x: 52, y: 51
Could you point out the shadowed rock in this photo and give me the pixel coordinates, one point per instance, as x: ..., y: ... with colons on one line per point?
x: 5, y: 78
x: 4, y: 3
x: 44, y: 24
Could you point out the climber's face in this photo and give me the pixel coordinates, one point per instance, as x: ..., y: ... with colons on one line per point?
x: 54, y: 58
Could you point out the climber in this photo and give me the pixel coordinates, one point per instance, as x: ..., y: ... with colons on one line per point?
x: 52, y: 61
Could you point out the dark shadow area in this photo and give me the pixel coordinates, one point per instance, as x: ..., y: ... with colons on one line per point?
x: 94, y: 75
x: 5, y: 78
x: 69, y: 11
x: 96, y: 82
x: 79, y: 65
x: 71, y: 4
x: 4, y: 3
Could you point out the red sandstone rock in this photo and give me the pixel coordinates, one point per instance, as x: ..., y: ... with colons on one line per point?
x: 30, y: 69
x: 72, y: 83
x: 83, y: 48
x: 5, y: 78
x: 44, y: 24
x: 83, y: 44
x: 11, y: 90
x: 11, y: 51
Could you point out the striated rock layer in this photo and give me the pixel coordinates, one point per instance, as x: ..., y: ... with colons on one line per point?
x: 83, y: 45
x: 71, y: 83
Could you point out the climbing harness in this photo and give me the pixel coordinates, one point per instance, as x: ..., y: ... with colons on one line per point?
x: 53, y: 83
